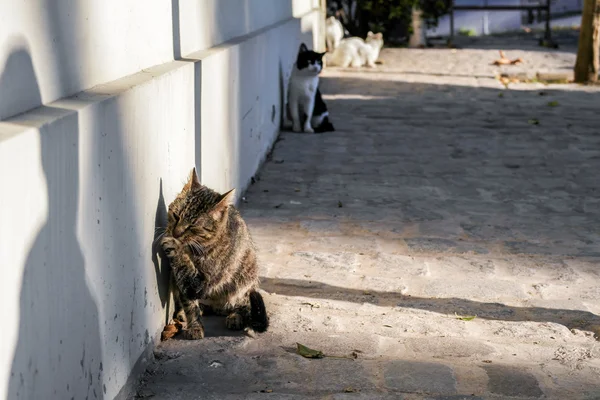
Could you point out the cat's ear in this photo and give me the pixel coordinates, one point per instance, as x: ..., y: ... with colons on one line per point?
x: 219, y: 209
x: 370, y: 34
x: 379, y: 35
x: 321, y: 55
x: 303, y: 48
x: 193, y: 181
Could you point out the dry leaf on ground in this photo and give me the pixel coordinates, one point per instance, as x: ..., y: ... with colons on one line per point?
x: 308, y: 352
x: 171, y: 330
x: 503, y: 60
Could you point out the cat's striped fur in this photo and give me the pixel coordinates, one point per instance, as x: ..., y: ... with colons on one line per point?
x: 213, y: 260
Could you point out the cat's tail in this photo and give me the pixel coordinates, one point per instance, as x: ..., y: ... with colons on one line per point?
x: 325, y: 126
x: 258, y: 312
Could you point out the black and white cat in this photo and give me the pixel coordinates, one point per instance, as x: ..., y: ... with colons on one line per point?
x: 306, y: 108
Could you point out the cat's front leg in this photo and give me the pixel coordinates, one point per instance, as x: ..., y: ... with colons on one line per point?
x: 295, y: 114
x: 309, y: 107
x: 188, y: 287
x: 371, y: 62
x: 188, y: 279
x: 194, y: 329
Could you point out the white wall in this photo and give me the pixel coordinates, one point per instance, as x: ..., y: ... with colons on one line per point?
x: 80, y: 286
x: 87, y: 177
x: 239, y: 122
x: 76, y: 45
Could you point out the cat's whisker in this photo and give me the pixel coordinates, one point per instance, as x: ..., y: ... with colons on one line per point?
x: 196, y: 248
x: 158, y: 238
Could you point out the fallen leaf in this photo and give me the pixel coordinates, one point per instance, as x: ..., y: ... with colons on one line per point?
x: 387, y: 326
x: 553, y: 103
x: 534, y: 121
x: 466, y: 318
x: 312, y: 305
x: 487, y: 361
x: 278, y: 205
x: 171, y: 330
x: 500, y: 94
x: 267, y: 391
x: 308, y: 352
x: 340, y: 204
x: 296, y: 190
x: 503, y: 60
x: 349, y: 389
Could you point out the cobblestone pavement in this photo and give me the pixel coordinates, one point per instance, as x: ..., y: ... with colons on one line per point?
x: 440, y: 197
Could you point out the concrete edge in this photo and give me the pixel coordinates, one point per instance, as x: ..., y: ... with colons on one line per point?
x: 129, y: 389
x: 202, y: 54
x: 48, y: 113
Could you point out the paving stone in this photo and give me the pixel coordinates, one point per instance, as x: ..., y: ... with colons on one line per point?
x: 456, y: 397
x: 435, y: 245
x: 420, y: 377
x: 509, y: 381
x: 437, y: 197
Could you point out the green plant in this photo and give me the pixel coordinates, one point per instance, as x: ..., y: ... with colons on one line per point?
x: 391, y: 17
x: 467, y: 32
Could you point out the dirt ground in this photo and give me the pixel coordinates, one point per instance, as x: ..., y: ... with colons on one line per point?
x: 444, y: 240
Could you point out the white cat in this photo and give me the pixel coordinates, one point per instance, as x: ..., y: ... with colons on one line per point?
x: 334, y: 33
x: 355, y: 52
x: 306, y: 107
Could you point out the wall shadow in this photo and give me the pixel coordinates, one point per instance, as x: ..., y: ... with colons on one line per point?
x: 162, y: 268
x: 176, y: 29
x: 514, y: 175
x: 59, y: 349
x: 449, y: 171
x: 19, y: 90
x: 572, y: 319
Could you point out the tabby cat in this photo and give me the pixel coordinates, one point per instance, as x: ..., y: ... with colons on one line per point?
x: 213, y: 261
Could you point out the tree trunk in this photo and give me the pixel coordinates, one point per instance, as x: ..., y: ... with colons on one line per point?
x: 588, y: 59
x: 417, y: 38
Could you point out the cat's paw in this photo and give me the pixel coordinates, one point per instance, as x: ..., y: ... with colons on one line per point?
x: 309, y: 129
x: 170, y: 246
x: 234, y: 321
x: 296, y: 128
x: 194, y: 332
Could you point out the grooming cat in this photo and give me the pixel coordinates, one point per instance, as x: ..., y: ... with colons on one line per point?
x: 334, y: 33
x: 213, y: 261
x: 306, y: 108
x: 356, y: 52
